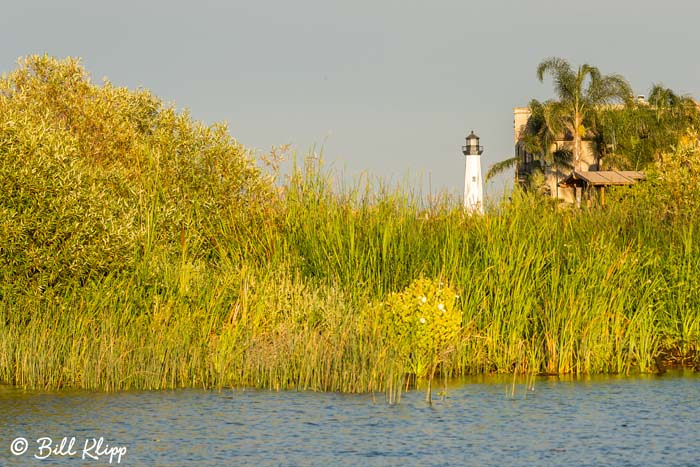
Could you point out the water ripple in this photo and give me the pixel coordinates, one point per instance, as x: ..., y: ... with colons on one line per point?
x: 598, y: 422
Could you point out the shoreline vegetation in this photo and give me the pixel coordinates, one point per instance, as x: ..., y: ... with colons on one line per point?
x: 140, y: 249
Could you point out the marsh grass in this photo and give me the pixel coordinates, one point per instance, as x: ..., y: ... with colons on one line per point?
x: 290, y: 302
x: 185, y: 268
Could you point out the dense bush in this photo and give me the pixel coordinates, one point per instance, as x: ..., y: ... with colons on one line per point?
x: 678, y: 173
x: 95, y: 178
x: 634, y: 136
x: 423, y: 322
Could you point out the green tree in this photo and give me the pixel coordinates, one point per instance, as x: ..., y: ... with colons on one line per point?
x: 634, y: 137
x: 580, y: 93
x: 539, y: 137
x: 97, y: 178
x: 542, y: 128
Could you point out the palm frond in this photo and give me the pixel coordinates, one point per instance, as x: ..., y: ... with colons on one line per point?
x: 563, y: 158
x: 500, y: 167
x: 608, y: 89
x: 554, y: 65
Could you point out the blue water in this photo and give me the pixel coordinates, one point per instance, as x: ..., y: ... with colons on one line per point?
x: 652, y: 420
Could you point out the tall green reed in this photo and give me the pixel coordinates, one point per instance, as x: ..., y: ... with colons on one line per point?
x: 166, y: 259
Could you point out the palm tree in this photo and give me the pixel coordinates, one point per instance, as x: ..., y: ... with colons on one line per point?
x: 539, y: 137
x: 668, y: 103
x: 662, y: 98
x: 543, y: 129
x: 579, y: 94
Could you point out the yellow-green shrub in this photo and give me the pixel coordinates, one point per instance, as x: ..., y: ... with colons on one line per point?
x: 95, y: 178
x: 671, y: 188
x: 679, y: 176
x: 422, y: 323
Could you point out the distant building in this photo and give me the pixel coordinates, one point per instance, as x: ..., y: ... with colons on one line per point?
x: 592, y: 184
x: 584, y: 182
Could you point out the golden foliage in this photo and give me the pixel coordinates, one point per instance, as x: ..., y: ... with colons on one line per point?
x: 423, y: 322
x: 96, y: 176
x: 679, y: 176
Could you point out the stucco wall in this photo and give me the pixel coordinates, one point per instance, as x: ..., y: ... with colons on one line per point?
x: 552, y: 176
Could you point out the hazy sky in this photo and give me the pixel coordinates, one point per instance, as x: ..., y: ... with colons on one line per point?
x: 386, y: 86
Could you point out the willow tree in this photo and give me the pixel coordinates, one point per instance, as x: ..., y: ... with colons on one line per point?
x: 99, y: 179
x: 580, y: 93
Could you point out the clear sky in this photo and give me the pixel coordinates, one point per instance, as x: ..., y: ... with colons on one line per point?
x: 385, y: 86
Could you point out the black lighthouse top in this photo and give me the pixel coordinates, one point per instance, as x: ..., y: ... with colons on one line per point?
x: 472, y: 148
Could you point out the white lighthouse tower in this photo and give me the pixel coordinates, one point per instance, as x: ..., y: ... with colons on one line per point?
x: 473, y: 188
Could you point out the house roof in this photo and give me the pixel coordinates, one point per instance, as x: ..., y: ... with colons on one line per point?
x: 603, y: 178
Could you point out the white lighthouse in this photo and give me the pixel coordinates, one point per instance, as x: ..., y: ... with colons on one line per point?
x: 473, y: 188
